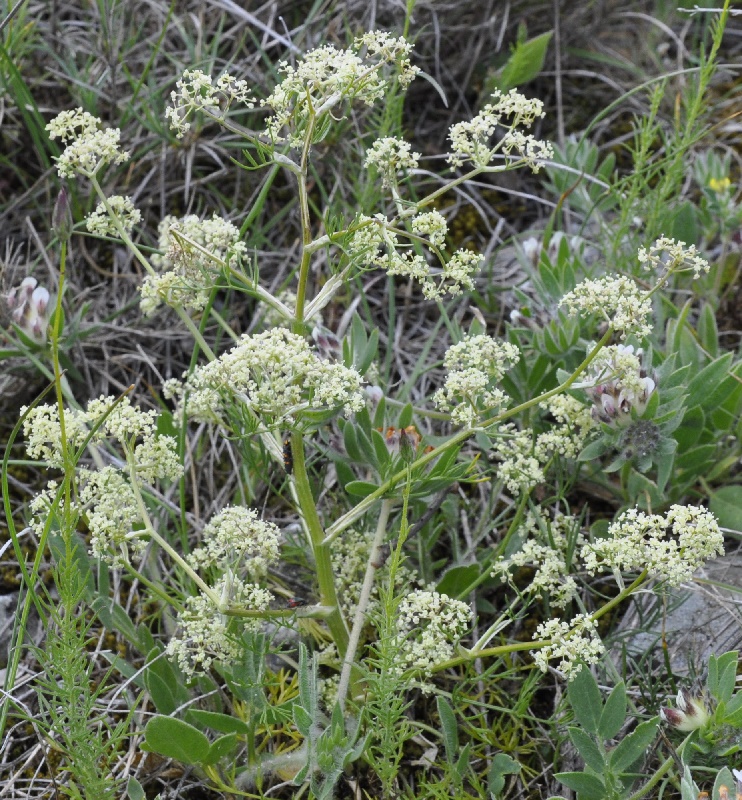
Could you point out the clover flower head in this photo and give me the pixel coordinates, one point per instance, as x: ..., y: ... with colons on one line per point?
x: 618, y: 300
x: 391, y: 156
x: 194, y: 251
x: 617, y: 384
x: 668, y: 255
x: 197, y: 92
x: 429, y: 625
x: 238, y: 539
x: 690, y: 712
x: 30, y: 308
x: 574, y: 642
x: 277, y: 375
x: 475, y: 365
x: 471, y: 140
x: 88, y: 148
x: 100, y: 223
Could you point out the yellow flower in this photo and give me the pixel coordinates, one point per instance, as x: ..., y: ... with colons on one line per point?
x: 719, y: 185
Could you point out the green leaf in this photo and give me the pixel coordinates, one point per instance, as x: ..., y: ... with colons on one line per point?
x: 722, y: 675
x: 690, y: 429
x: 584, y: 696
x: 457, y: 580
x: 726, y: 505
x: 614, y: 712
x: 593, y: 450
x: 405, y: 416
x: 134, y: 790
x: 449, y: 729
x: 176, y: 739
x: 223, y: 723
x: 160, y: 692
x: 588, y: 749
x: 223, y: 747
x: 703, y: 390
x: 525, y: 63
x: 502, y: 765
x: 351, y: 443
x: 633, y: 746
x: 589, y: 787
x: 360, y: 488
x: 708, y: 333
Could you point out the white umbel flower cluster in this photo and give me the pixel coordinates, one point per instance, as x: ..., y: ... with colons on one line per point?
x: 391, y: 156
x: 194, y: 251
x: 671, y: 547
x: 518, y: 468
x: 100, y: 223
x: 668, y: 255
x: 238, y: 547
x: 429, y: 625
x: 574, y: 642
x: 545, y: 550
x: 277, y: 376
x: 618, y: 301
x: 474, y: 366
x: 206, y: 635
x: 88, y: 147
x: 196, y: 92
x: 326, y: 78
x: 472, y: 140
x: 106, y: 496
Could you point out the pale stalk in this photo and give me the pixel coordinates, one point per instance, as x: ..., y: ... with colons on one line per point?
x: 359, y: 619
x: 176, y: 557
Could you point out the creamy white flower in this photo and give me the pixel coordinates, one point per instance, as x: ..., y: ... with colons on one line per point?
x: 671, y: 547
x: 100, y: 223
x: 474, y: 366
x: 429, y: 624
x: 668, y: 255
x: 195, y: 91
x: 472, y: 140
x: 574, y: 642
x: 88, y: 149
x: 618, y: 300
x: 391, y: 157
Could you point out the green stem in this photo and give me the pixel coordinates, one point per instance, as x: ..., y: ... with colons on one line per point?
x: 321, y: 551
x: 361, y: 508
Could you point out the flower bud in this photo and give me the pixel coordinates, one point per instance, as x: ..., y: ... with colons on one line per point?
x: 62, y: 216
